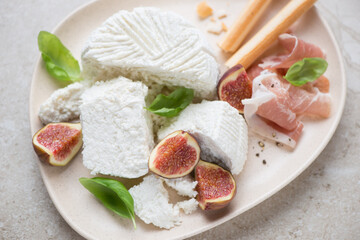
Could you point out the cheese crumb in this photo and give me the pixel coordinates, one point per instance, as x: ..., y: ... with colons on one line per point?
x: 204, y: 10
x: 221, y: 14
x: 63, y: 104
x: 188, y: 206
x: 224, y: 27
x: 151, y: 203
x: 214, y: 28
x: 184, y: 186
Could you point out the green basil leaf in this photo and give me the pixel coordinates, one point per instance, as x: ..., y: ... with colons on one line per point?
x: 306, y: 70
x: 59, y: 62
x: 113, y: 194
x: 173, y: 104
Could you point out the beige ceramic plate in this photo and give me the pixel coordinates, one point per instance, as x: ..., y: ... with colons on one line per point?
x: 255, y: 184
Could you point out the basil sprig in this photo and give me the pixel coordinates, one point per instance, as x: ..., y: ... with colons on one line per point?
x: 306, y: 70
x: 112, y: 194
x: 173, y: 104
x: 59, y: 61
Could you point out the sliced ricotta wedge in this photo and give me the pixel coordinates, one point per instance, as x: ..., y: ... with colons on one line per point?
x: 63, y: 104
x: 151, y: 203
x: 220, y: 130
x: 152, y: 46
x: 117, y: 130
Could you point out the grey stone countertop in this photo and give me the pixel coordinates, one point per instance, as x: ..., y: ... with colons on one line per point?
x: 322, y: 203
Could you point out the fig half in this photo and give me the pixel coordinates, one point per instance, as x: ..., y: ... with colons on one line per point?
x: 234, y: 86
x: 57, y: 143
x: 175, y: 156
x: 216, y: 187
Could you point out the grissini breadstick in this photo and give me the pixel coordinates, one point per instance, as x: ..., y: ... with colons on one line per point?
x: 262, y: 40
x: 246, y: 21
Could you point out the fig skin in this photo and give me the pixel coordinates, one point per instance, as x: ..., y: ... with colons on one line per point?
x: 47, y: 156
x: 241, y: 89
x: 190, y: 141
x: 206, y: 203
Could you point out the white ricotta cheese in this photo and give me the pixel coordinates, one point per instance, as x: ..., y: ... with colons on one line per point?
x: 63, y: 104
x: 220, y: 130
x: 184, y: 186
x: 152, y: 46
x: 117, y: 130
x: 151, y: 203
x: 188, y: 206
x: 214, y: 27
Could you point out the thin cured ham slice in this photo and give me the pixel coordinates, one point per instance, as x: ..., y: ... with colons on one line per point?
x: 254, y: 71
x: 322, y: 83
x: 262, y: 95
x: 297, y: 50
x: 275, y: 104
x: 309, y: 102
x: 278, y: 109
x: 291, y: 101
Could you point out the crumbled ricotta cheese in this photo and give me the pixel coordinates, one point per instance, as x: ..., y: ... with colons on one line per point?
x: 220, y: 130
x: 152, y: 46
x: 221, y: 14
x: 63, y: 104
x: 188, y: 206
x: 117, y: 130
x: 184, y: 186
x: 224, y: 27
x: 152, y: 205
x: 214, y: 27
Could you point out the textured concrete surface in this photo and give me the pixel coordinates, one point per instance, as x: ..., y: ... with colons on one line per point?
x: 322, y: 203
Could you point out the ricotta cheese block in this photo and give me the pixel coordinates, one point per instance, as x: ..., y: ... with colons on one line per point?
x: 117, y: 130
x: 151, y: 203
x: 63, y: 104
x: 152, y: 46
x: 220, y: 130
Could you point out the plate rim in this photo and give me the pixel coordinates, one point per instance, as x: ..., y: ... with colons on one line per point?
x: 231, y: 215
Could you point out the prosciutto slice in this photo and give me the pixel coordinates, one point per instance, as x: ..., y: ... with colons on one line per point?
x: 322, y: 84
x: 257, y: 123
x: 275, y: 105
x: 274, y: 108
x: 296, y: 50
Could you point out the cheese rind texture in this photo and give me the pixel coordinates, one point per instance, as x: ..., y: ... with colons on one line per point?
x: 151, y: 203
x: 220, y: 130
x: 117, y: 130
x: 63, y: 104
x: 152, y: 46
